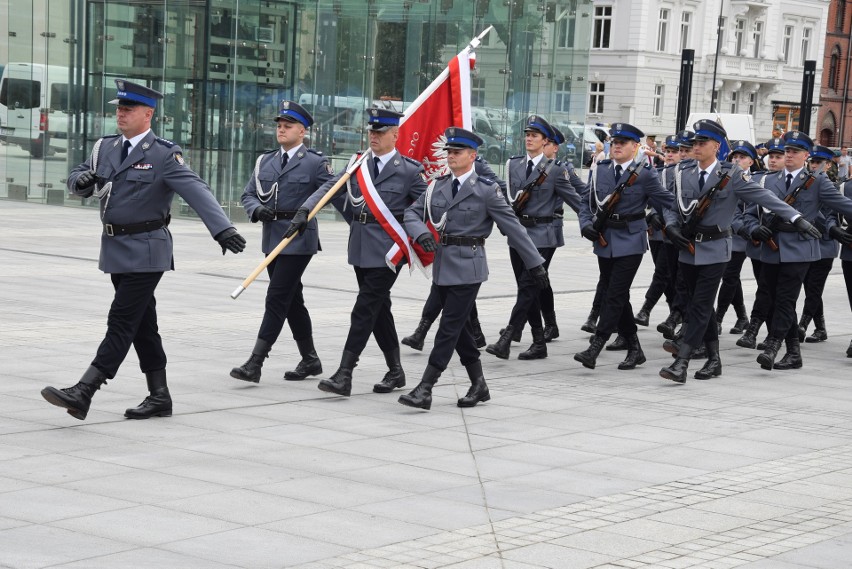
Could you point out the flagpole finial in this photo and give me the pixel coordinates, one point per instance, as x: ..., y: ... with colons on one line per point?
x: 474, y: 43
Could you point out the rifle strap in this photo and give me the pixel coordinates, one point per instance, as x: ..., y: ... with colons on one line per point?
x: 599, y: 205
x: 539, y: 180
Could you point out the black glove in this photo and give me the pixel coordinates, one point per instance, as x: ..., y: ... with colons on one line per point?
x: 298, y: 223
x: 589, y: 232
x: 655, y: 220
x: 427, y: 242
x: 231, y: 241
x: 839, y: 235
x: 539, y: 275
x: 87, y: 179
x: 805, y: 226
x: 762, y: 233
x: 677, y: 238
x: 263, y: 213
x: 744, y: 233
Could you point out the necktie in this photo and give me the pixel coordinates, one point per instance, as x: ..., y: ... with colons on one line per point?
x: 618, y: 171
x: 376, y: 167
x: 284, y: 160
x: 789, y: 181
x: 125, y: 149
x: 455, y: 187
x: 701, y: 179
x: 529, y: 167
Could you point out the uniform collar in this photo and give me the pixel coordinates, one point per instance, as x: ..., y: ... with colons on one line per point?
x: 135, y: 140
x: 537, y: 160
x: 794, y: 172
x: 463, y: 178
x: 290, y: 153
x: 709, y: 169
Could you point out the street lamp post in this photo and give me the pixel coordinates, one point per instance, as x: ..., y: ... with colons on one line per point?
x: 716, y: 60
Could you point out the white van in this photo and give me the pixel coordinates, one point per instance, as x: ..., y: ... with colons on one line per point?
x: 35, y: 102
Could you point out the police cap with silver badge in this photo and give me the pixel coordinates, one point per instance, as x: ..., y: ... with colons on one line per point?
x: 558, y: 137
x: 626, y: 131
x: 822, y: 153
x: 379, y: 120
x: 672, y: 141
x: 293, y: 112
x: 709, y: 130
x: 685, y: 138
x: 461, y: 138
x: 130, y: 94
x: 536, y: 123
x: 744, y: 147
x: 796, y: 140
x: 775, y: 145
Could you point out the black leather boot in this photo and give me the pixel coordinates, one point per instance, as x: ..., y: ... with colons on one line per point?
x: 719, y: 319
x: 849, y: 351
x: 501, y: 348
x: 78, y: 398
x: 538, y: 349
x: 713, y: 365
x: 250, y: 371
x: 421, y: 396
x: 416, y: 340
x: 478, y: 336
x: 395, y: 377
x: 820, y: 333
x: 793, y: 358
x: 677, y: 371
x: 591, y: 323
x: 770, y: 352
x: 341, y: 381
x: 589, y: 356
x: 551, y: 330
x: 620, y: 343
x: 310, y: 363
x: 803, y: 326
x: 668, y: 326
x: 635, y: 355
x: 516, y: 335
x: 742, y: 319
x: 749, y: 337
x: 478, y: 391
x: 643, y: 317
x: 158, y: 403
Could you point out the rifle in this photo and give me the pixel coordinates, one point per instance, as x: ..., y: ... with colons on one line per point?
x: 526, y: 192
x: 691, y: 225
x: 790, y: 199
x: 600, y: 220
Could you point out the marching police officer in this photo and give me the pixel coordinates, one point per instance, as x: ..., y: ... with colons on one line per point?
x: 377, y: 246
x: 463, y: 207
x: 281, y: 181
x: 135, y: 175
x: 844, y: 236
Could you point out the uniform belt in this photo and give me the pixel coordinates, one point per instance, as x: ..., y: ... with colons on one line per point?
x: 462, y: 241
x: 786, y: 227
x: 113, y: 229
x: 367, y: 217
x: 559, y: 213
x: 627, y: 216
x: 285, y: 214
x: 529, y: 221
x: 710, y: 232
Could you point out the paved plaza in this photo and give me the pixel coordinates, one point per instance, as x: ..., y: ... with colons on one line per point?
x: 564, y: 468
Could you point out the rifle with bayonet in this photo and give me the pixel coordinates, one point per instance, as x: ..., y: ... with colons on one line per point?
x: 690, y: 228
x: 608, y: 211
x: 789, y: 199
x: 526, y: 192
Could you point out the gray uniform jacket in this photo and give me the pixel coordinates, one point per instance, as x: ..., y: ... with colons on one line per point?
x: 544, y: 199
x: 795, y: 247
x: 399, y: 184
x: 750, y: 222
x: 483, y: 168
x: 722, y: 208
x: 624, y: 237
x: 143, y: 187
x: 478, y: 205
x: 304, y: 173
x: 846, y: 250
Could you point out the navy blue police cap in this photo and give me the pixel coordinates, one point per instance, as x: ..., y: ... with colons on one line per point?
x: 536, y: 123
x: 380, y: 120
x: 672, y: 141
x: 291, y: 111
x: 744, y: 147
x: 458, y: 137
x: 558, y: 137
x: 797, y: 140
x: 130, y: 94
x: 624, y: 130
x: 822, y: 153
x: 709, y: 130
x: 775, y: 145
x: 685, y: 138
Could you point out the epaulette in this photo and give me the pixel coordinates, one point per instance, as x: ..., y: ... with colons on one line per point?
x: 411, y: 160
x: 312, y: 151
x: 110, y: 136
x: 557, y: 163
x: 444, y: 177
x: 688, y: 163
x: 273, y: 151
x: 518, y: 156
x: 478, y: 158
x: 605, y: 162
x: 164, y: 142
x: 487, y: 181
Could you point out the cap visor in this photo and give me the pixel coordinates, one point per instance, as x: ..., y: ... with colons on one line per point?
x: 379, y: 127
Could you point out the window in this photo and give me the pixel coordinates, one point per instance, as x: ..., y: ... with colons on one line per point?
x: 806, y: 44
x: 477, y: 92
x: 739, y: 36
x: 752, y: 104
x: 685, y: 22
x: 788, y: 43
x: 662, y: 29
x: 20, y: 93
x: 839, y: 15
x: 723, y: 30
x: 562, y: 102
x: 834, y: 68
x: 735, y: 102
x: 596, y: 98
x: 564, y: 32
x: 757, y: 36
x: 657, y: 111
x: 602, y: 26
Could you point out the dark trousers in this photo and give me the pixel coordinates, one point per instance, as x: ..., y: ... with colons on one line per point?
x: 847, y: 276
x: 432, y: 307
x: 616, y: 311
x: 545, y: 295
x: 762, y: 305
x: 454, y: 330
x: 284, y: 300
x: 783, y: 281
x: 680, y: 297
x: 815, y: 285
x: 132, y: 320
x: 527, y: 307
x: 661, y: 281
x: 600, y: 291
x: 372, y: 310
x: 731, y: 290
x: 702, y: 284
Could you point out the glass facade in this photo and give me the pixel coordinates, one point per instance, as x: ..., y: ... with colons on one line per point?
x: 224, y: 65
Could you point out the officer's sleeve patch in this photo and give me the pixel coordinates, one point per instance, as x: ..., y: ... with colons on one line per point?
x: 566, y: 175
x: 424, y: 177
x: 179, y: 158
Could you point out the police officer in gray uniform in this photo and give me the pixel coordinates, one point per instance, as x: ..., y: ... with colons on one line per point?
x: 135, y: 176
x: 281, y: 181
x: 843, y: 235
x: 463, y: 208
x: 625, y: 234
x: 723, y: 184
x: 398, y: 181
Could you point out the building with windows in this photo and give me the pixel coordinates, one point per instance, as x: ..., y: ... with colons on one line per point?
x: 834, y: 121
x: 762, y: 46
x: 224, y: 65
